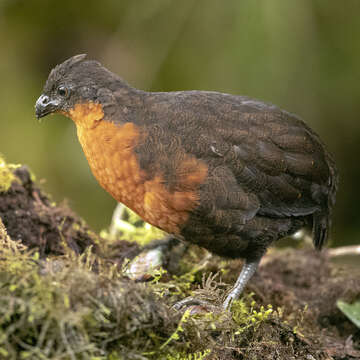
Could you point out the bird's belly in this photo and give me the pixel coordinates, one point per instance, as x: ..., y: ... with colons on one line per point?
x: 109, y: 150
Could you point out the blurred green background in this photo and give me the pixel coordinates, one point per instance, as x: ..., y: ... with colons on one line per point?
x: 301, y: 55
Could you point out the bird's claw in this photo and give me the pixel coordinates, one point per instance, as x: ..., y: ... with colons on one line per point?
x: 196, y: 306
x: 228, y: 302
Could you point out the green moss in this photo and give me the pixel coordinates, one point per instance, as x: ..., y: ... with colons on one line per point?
x: 76, y: 226
x: 246, y: 313
x: 200, y: 355
x: 6, y: 175
x: 81, y: 307
x: 61, y: 308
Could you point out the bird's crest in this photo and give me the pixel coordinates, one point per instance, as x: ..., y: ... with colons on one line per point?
x: 60, y: 70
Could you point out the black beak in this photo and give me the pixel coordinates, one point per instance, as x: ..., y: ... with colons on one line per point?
x: 45, y: 106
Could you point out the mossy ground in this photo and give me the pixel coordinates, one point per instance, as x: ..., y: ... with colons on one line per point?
x: 63, y: 295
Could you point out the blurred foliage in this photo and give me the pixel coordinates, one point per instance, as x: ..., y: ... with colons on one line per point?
x: 303, y: 56
x: 131, y: 227
x: 352, y: 311
x: 6, y: 175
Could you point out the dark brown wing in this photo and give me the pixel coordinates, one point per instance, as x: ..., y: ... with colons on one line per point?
x: 262, y: 160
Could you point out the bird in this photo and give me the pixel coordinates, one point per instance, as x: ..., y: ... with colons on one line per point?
x: 227, y: 172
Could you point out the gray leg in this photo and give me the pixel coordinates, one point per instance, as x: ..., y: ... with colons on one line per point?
x: 247, y: 272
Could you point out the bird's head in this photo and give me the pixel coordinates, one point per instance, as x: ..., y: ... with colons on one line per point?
x: 77, y: 82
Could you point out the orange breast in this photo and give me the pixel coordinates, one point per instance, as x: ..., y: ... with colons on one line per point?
x: 109, y: 149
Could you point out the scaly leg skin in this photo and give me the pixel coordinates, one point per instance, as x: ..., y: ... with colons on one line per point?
x: 247, y: 272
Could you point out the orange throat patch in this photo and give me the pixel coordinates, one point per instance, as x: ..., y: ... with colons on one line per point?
x: 109, y: 149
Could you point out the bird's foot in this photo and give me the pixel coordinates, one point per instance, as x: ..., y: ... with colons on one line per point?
x: 152, y: 258
x: 196, y: 306
x: 145, y: 265
x: 205, y: 299
x: 229, y: 300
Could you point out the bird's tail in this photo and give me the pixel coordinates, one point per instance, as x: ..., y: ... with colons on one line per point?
x: 321, y: 227
x: 322, y: 220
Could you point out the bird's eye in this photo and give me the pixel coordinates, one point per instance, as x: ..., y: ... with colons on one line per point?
x: 63, y: 91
